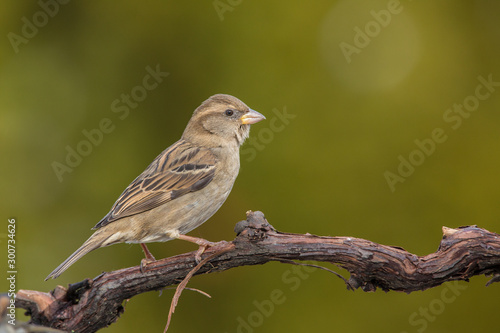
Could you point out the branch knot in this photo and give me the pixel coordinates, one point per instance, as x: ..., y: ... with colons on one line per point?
x: 255, y: 227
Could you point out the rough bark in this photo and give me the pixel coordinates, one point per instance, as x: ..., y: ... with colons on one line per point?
x: 92, y: 304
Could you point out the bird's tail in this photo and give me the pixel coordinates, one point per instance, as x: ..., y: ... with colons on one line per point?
x: 94, y: 242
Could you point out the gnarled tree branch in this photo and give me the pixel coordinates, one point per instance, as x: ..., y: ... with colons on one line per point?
x: 463, y: 253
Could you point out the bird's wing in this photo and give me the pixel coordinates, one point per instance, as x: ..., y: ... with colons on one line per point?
x: 180, y: 169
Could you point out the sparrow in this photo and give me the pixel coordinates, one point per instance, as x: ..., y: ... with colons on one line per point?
x: 183, y: 187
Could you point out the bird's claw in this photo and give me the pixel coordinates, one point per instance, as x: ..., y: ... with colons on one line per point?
x: 203, y: 247
x: 145, y: 262
x: 201, y: 250
x: 197, y: 256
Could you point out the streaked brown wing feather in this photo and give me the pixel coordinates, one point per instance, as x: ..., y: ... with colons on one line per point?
x: 180, y: 169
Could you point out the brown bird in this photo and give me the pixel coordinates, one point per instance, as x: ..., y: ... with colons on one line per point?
x: 183, y: 187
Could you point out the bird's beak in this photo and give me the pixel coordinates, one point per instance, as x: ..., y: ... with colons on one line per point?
x: 251, y: 117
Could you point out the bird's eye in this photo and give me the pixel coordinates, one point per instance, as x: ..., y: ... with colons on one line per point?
x: 229, y: 112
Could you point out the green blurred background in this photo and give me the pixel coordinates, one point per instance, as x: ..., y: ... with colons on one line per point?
x: 322, y: 171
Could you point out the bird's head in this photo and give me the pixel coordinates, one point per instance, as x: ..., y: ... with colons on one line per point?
x: 219, y: 121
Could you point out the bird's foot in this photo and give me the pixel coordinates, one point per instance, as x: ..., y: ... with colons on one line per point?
x: 144, y: 263
x: 203, y: 245
x: 221, y: 244
x: 149, y: 257
x: 201, y: 250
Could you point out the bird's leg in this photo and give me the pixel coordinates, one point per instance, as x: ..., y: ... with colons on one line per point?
x: 203, y: 243
x: 149, y: 257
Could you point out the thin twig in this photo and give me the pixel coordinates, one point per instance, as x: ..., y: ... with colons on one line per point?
x: 183, y: 284
x: 291, y: 262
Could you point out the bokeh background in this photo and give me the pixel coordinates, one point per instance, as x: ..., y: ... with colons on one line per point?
x: 322, y: 169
